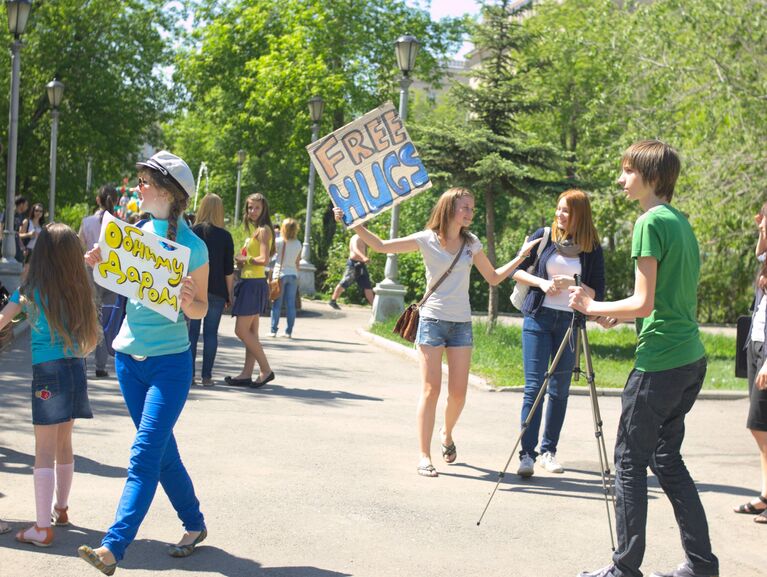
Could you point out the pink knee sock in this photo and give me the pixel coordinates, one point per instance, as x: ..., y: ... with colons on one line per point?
x: 44, y: 485
x: 64, y: 474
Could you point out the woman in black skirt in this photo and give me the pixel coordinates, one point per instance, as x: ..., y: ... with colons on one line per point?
x: 757, y: 373
x: 252, y: 291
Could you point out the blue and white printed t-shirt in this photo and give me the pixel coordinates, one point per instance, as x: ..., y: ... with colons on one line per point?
x: 450, y: 302
x: 147, y: 333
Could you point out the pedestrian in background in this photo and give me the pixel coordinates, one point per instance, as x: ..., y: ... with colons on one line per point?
x: 209, y: 226
x: 252, y: 291
x: 30, y: 229
x: 58, y: 300
x: 288, y: 251
x: 90, y: 229
x: 757, y: 372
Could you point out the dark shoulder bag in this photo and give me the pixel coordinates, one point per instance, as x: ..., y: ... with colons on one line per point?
x: 407, y: 323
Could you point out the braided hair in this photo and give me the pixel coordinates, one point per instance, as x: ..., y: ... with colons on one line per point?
x: 179, y: 199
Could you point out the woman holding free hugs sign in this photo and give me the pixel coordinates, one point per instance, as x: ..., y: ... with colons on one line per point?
x: 445, y: 318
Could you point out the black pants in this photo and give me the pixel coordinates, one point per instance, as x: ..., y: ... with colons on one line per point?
x: 650, y: 433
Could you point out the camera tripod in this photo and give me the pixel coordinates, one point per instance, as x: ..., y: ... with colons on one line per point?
x: 578, y: 330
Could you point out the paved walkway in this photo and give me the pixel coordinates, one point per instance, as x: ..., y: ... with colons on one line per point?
x: 314, y: 476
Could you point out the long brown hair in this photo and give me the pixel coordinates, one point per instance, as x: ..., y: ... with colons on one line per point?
x: 178, y: 198
x: 444, y: 212
x: 58, y: 276
x: 264, y: 222
x: 581, y: 225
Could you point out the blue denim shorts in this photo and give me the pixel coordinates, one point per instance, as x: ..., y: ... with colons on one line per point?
x: 437, y: 333
x: 59, y: 392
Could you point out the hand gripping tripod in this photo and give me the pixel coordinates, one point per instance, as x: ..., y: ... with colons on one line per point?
x: 578, y: 329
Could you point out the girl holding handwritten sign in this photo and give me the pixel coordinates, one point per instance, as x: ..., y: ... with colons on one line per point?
x: 445, y: 318
x: 154, y: 368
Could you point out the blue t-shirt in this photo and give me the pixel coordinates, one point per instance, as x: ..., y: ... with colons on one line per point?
x: 43, y: 349
x: 145, y: 332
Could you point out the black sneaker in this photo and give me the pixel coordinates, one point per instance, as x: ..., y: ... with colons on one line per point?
x: 334, y: 305
x: 101, y: 374
x: 603, y: 572
x: 684, y: 570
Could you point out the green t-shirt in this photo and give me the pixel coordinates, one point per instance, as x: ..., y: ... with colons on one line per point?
x: 669, y: 337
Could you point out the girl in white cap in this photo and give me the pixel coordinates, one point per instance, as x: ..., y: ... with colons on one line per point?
x: 154, y: 368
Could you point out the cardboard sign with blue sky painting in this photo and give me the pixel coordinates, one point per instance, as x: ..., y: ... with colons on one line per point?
x: 141, y: 265
x: 369, y: 165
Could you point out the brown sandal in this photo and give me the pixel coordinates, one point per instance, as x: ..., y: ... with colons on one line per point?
x: 749, y: 509
x: 59, y: 517
x: 44, y: 542
x: 761, y: 518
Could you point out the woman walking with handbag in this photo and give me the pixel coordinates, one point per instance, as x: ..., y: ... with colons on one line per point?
x: 286, y: 272
x: 571, y: 247
x: 445, y: 317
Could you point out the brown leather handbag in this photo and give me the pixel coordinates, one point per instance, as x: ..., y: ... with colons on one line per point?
x: 407, y: 323
x: 275, y: 287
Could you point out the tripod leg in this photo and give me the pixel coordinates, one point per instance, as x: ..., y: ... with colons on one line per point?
x: 604, y: 464
x: 531, y: 414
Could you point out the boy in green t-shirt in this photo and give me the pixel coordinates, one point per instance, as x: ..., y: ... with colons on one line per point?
x: 669, y: 370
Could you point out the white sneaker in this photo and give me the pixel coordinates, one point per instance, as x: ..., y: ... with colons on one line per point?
x: 549, y: 461
x: 526, y: 466
x: 273, y: 334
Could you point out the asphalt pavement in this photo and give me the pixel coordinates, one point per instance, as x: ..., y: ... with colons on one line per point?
x: 314, y: 475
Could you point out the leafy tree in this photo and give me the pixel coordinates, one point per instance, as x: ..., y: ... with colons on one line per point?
x: 107, y: 54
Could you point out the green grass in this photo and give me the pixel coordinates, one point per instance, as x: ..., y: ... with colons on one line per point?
x: 498, y: 357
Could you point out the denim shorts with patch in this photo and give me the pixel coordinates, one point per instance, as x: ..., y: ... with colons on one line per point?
x: 59, y: 392
x: 437, y: 333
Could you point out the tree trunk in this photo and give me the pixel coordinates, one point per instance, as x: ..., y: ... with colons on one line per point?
x: 492, y: 300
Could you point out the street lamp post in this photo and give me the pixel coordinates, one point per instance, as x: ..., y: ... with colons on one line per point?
x: 390, y: 295
x: 307, y: 269
x: 18, y: 12
x: 240, y: 162
x: 55, y: 91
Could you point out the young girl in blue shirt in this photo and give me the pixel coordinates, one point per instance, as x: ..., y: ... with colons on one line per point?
x: 154, y: 369
x: 58, y: 300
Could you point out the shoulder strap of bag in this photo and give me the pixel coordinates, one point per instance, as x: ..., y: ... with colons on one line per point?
x: 282, y: 253
x: 541, y: 245
x: 444, y: 276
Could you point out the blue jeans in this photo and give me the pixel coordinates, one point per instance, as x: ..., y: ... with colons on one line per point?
x: 650, y: 433
x: 289, y: 287
x: 209, y: 324
x: 155, y: 392
x: 541, y: 338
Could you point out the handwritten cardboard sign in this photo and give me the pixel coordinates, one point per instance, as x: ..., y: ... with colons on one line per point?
x: 141, y: 265
x: 369, y: 165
